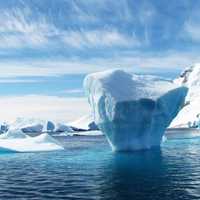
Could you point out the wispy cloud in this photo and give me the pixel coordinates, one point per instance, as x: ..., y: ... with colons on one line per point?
x: 17, y: 30
x: 99, y: 38
x: 76, y: 91
x: 90, y: 12
x: 147, y: 14
x: 20, y: 80
x: 191, y: 26
x: 127, y: 60
x: 98, y: 34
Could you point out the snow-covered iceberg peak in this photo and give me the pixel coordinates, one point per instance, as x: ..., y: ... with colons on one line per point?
x: 189, y: 115
x: 190, y: 77
x: 133, y: 111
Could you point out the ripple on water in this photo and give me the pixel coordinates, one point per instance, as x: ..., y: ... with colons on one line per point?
x: 87, y: 169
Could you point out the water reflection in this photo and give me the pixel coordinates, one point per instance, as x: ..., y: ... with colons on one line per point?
x: 141, y: 175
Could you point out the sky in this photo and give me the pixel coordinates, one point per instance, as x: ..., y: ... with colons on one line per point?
x: 48, y: 46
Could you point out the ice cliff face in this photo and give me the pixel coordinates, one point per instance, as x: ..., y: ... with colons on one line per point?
x: 133, y: 111
x: 189, y: 115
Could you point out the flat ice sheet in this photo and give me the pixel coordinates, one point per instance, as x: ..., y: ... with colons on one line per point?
x: 43, y: 142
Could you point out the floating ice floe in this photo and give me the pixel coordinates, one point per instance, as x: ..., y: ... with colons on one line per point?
x: 133, y: 111
x: 17, y: 141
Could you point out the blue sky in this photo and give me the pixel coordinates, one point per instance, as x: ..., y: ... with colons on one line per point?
x: 77, y: 36
x: 46, y: 47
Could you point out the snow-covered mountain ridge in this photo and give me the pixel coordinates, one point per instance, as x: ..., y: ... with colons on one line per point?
x: 189, y: 115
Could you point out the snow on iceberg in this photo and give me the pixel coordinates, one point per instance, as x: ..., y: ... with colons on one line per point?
x: 189, y: 116
x: 17, y: 141
x: 32, y: 126
x: 63, y: 128
x: 37, y: 128
x: 13, y: 134
x: 132, y: 110
x: 85, y: 123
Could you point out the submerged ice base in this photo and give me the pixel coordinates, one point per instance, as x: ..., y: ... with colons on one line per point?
x: 133, y: 111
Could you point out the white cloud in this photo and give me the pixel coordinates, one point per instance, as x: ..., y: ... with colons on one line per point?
x: 43, y: 107
x: 20, y: 80
x: 46, y: 68
x: 99, y: 38
x: 73, y: 91
x: 17, y: 30
x: 119, y: 10
x: 129, y: 61
x: 21, y: 41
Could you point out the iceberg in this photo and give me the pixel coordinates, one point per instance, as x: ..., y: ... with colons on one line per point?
x: 13, y: 134
x: 37, y: 128
x: 4, y: 127
x: 17, y: 141
x: 60, y: 128
x: 133, y: 111
x: 50, y: 126
x: 85, y: 123
x: 189, y: 116
x: 31, y: 126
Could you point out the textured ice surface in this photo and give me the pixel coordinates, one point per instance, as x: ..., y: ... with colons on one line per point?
x: 30, y: 125
x: 63, y: 128
x: 37, y: 128
x: 50, y: 126
x: 33, y: 126
x: 133, y: 111
x: 189, y: 115
x: 13, y: 134
x: 85, y: 123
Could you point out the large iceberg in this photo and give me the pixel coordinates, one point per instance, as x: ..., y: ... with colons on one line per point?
x: 189, y: 116
x: 133, y: 110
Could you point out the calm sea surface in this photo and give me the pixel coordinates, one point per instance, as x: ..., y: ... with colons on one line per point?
x: 87, y: 169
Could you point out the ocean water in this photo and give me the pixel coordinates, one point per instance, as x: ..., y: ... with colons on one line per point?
x: 87, y: 169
